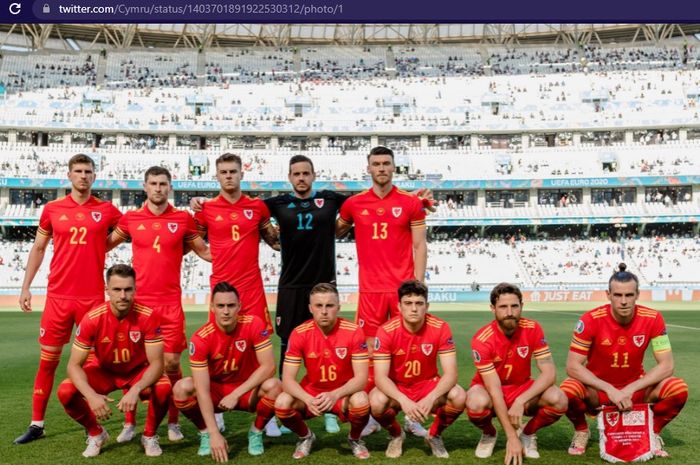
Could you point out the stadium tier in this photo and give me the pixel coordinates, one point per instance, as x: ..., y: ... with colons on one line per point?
x: 601, y: 138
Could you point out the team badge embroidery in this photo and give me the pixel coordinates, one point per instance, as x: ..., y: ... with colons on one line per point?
x: 638, y: 340
x: 172, y: 227
x: 476, y: 355
x: 612, y: 418
x: 97, y: 216
x: 135, y: 336
x: 426, y: 348
x: 248, y: 214
x: 579, y: 327
x: 361, y: 322
x: 240, y: 345
x: 396, y: 211
x: 42, y: 331
x: 319, y: 202
x: 522, y: 351
x: 341, y: 352
x: 278, y: 320
x: 191, y: 348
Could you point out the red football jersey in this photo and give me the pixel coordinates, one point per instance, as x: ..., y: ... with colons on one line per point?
x: 230, y: 358
x: 120, y: 345
x: 510, y: 357
x: 413, y: 357
x: 79, y: 234
x: 233, y: 230
x: 615, y: 352
x: 157, y: 242
x: 327, y: 358
x: 383, y: 236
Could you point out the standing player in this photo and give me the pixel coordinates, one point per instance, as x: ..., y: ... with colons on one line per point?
x: 160, y: 235
x: 234, y: 223
x: 391, y: 247
x: 128, y: 348
x: 78, y: 224
x: 406, y: 352
x: 233, y: 368
x: 605, y: 363
x: 334, y: 353
x: 306, y: 220
x: 503, y: 352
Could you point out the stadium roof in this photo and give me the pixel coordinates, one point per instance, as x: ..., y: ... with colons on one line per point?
x: 91, y: 36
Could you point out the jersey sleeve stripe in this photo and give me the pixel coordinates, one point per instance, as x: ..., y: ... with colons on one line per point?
x: 486, y: 370
x: 43, y: 232
x: 344, y: 222
x: 119, y: 232
x: 447, y: 351
x: 194, y: 364
x: 80, y: 346
x: 263, y: 346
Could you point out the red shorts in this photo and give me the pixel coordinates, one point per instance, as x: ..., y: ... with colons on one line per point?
x: 336, y: 410
x: 637, y: 398
x: 172, y: 326
x: 374, y: 309
x: 220, y: 390
x: 253, y: 302
x: 59, y: 317
x: 104, y: 382
x: 419, y: 390
x: 510, y: 391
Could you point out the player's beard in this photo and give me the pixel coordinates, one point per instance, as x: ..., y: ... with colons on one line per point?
x: 509, y: 324
x: 302, y: 191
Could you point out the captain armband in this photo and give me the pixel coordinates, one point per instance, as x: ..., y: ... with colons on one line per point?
x: 661, y: 343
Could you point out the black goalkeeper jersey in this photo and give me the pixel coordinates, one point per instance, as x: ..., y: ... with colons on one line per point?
x: 307, y: 237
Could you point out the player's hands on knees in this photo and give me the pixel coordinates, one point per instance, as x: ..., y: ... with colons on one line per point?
x: 219, y: 447
x: 99, y: 404
x: 325, y: 401
x: 621, y: 399
x: 425, y: 406
x: 196, y: 203
x: 229, y: 402
x: 412, y: 410
x: 25, y: 300
x: 129, y: 401
x: 515, y: 414
x: 514, y: 451
x: 313, y: 408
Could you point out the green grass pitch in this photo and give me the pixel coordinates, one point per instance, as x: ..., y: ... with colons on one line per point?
x: 65, y: 441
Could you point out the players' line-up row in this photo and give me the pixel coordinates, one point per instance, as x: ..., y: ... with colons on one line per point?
x: 389, y: 228
x: 233, y: 369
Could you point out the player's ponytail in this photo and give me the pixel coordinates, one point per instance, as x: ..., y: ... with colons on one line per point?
x: 623, y: 276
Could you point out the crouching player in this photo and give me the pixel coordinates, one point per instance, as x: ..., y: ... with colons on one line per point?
x: 334, y: 352
x: 233, y: 368
x: 128, y: 354
x: 606, y: 363
x: 503, y: 352
x: 406, y: 351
